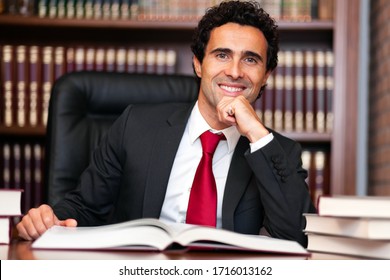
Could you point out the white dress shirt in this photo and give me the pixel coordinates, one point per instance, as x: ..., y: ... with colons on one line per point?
x: 186, y: 162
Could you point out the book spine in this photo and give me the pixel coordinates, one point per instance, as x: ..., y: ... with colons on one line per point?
x: 34, y: 84
x: 319, y: 159
x: 17, y: 178
x: 171, y: 59
x: 140, y: 61
x: 160, y: 61
x: 279, y: 92
x: 21, y: 53
x: 27, y: 177
x: 6, y: 166
x: 110, y: 59
x: 90, y: 59
x: 268, y: 100
x: 38, y: 167
x: 70, y: 59
x: 298, y: 91
x: 79, y: 59
x: 309, y: 94
x: 47, y: 79
x: 325, y: 9
x: 288, y: 94
x: 59, y: 62
x: 329, y: 90
x: 150, y: 61
x: 131, y: 60
x: 99, y: 59
x: 8, y: 82
x: 121, y: 60
x: 320, y: 90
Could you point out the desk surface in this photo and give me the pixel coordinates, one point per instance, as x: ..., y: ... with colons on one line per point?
x: 21, y: 250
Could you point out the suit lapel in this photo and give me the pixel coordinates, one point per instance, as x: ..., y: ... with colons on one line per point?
x: 165, y: 146
x: 236, y: 183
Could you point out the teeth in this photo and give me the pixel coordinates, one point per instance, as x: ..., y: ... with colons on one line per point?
x: 231, y: 89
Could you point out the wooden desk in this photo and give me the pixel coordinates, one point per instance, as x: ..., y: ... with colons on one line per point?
x: 21, y: 250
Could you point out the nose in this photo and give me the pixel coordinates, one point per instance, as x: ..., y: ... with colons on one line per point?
x: 234, y: 70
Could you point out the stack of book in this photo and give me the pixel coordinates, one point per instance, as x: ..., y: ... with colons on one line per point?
x: 350, y: 225
x: 10, y: 208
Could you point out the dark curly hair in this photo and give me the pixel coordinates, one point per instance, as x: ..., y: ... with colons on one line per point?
x: 244, y: 13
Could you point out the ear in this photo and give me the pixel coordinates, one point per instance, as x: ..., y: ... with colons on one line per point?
x: 197, y: 66
x: 266, y: 77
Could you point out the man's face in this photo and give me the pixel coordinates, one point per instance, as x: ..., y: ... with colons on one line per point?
x: 234, y: 64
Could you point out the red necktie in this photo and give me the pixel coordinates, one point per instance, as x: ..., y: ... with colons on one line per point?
x: 202, y: 206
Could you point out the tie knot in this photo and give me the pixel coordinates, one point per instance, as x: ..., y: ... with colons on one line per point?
x: 210, y: 141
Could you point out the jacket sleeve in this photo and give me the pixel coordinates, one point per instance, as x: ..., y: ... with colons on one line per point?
x: 284, y: 193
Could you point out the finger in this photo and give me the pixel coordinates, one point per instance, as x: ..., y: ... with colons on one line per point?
x: 230, y: 111
x: 67, y: 223
x: 22, y: 232
x: 26, y: 229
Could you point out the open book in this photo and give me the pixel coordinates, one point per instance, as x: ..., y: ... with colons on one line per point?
x: 153, y: 234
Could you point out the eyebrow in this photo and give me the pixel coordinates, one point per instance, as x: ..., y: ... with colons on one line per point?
x: 246, y: 53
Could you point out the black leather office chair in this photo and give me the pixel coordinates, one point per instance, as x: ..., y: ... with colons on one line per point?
x: 82, y: 107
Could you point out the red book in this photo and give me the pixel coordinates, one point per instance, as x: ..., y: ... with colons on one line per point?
x: 47, y: 81
x: 268, y: 101
x: 309, y: 88
x: 320, y: 90
x: 279, y: 92
x: 79, y: 59
x: 110, y: 59
x: 34, y: 86
x: 21, y: 85
x: 8, y: 85
x: 59, y: 62
x: 288, y: 91
x: 298, y: 91
x: 70, y: 59
x: 90, y: 59
x: 38, y: 169
x: 120, y: 60
x: 99, y: 59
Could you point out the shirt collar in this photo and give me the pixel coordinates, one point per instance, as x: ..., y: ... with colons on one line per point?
x: 197, y: 125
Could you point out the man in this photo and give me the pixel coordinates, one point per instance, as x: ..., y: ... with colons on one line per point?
x: 258, y: 173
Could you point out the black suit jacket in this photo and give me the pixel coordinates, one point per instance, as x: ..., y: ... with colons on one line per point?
x: 129, y: 172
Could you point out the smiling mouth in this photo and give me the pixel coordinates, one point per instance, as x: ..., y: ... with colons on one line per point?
x: 231, y: 88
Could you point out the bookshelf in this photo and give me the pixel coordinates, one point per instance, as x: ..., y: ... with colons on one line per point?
x: 338, y: 144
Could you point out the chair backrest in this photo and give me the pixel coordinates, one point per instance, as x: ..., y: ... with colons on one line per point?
x: 82, y: 107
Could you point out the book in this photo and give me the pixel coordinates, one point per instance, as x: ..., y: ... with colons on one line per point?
x: 354, y: 206
x: 288, y: 94
x: 329, y: 62
x: 10, y: 202
x: 154, y: 235
x: 320, y: 82
x: 368, y: 228
x: 21, y: 61
x: 279, y: 92
x: 5, y: 230
x: 8, y: 84
x: 4, y: 252
x: 375, y: 249
x: 34, y: 88
x: 309, y: 90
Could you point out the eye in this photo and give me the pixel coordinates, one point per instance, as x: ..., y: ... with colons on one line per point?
x: 251, y: 60
x: 222, y: 55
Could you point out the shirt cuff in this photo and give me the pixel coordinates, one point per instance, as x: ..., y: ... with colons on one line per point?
x: 261, y: 142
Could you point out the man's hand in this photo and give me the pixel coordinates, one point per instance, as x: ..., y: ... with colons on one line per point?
x: 239, y: 112
x: 38, y: 220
